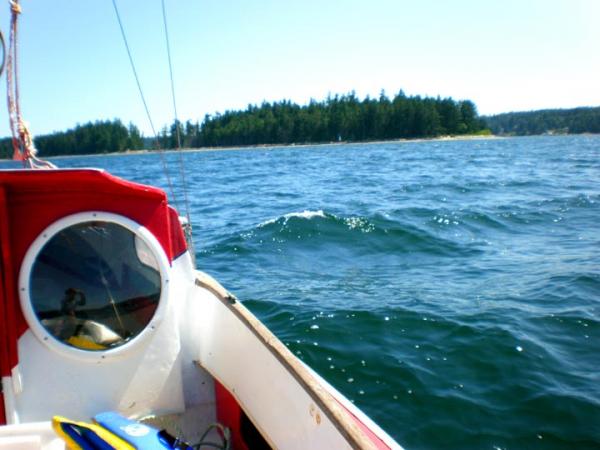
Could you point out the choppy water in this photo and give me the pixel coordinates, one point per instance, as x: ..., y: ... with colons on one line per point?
x: 450, y: 289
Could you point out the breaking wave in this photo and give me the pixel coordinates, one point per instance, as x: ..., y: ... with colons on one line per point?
x: 366, y: 234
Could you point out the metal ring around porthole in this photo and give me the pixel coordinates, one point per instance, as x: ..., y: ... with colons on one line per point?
x: 99, y: 285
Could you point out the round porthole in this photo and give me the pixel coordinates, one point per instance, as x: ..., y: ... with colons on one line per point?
x: 93, y: 284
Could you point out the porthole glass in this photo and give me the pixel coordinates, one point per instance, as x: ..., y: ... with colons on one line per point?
x: 95, y: 285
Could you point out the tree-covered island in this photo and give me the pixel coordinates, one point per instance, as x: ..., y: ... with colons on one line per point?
x: 91, y: 138
x: 546, y: 121
x: 337, y: 118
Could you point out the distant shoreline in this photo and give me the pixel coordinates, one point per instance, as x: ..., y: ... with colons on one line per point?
x: 470, y: 137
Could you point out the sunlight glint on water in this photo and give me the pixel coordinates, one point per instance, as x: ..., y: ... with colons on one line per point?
x: 450, y: 289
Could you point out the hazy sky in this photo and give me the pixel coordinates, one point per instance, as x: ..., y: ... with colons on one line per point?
x: 505, y: 55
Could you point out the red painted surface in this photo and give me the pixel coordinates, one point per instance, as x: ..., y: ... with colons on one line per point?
x: 8, y: 337
x: 3, y: 341
x: 177, y: 239
x: 229, y: 414
x: 4, y: 366
x: 376, y: 440
x: 37, y: 198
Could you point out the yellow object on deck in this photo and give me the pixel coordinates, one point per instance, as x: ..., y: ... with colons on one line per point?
x: 85, y: 343
x: 82, y: 435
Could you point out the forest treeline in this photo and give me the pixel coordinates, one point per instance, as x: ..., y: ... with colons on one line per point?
x: 90, y: 138
x: 341, y: 118
x: 337, y: 118
x: 555, y: 121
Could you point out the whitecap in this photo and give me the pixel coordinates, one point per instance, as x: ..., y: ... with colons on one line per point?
x: 306, y: 214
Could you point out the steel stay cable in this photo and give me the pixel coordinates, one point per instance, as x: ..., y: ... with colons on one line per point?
x: 177, y: 123
x: 164, y: 15
x: 139, y: 86
x: 3, y: 44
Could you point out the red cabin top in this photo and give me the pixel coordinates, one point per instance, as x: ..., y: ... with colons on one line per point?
x: 31, y: 200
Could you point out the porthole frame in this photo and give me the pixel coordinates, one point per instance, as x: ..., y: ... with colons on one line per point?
x: 47, y: 338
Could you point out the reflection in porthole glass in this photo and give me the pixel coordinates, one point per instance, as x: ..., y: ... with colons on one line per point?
x: 95, y: 285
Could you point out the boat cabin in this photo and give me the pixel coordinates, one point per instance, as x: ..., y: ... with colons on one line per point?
x: 101, y: 309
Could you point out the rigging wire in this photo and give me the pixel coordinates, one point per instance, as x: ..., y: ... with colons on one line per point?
x: 177, y: 124
x: 139, y: 85
x: 3, y: 44
x: 164, y: 15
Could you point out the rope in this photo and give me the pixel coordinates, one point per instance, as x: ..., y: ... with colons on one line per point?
x: 22, y: 141
x: 179, y: 149
x: 139, y: 85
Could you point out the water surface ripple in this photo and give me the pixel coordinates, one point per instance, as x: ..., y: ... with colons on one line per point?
x: 450, y: 289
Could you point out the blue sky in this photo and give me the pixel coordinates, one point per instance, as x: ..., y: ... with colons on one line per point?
x: 504, y: 55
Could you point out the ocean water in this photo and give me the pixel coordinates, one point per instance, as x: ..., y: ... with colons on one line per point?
x: 451, y: 289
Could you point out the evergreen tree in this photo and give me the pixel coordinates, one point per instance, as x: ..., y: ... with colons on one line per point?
x: 338, y: 117
x: 576, y: 120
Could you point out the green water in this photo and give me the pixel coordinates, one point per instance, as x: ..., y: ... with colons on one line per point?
x: 450, y: 289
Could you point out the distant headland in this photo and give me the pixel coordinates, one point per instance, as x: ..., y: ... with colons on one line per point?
x: 546, y: 121
x: 339, y: 118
